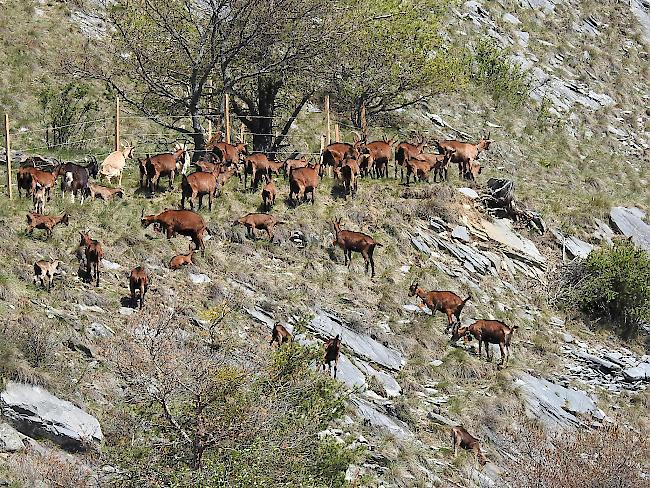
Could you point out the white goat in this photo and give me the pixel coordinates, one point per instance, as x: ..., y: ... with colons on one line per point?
x: 114, y: 163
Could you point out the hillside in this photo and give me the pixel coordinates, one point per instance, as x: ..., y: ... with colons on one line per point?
x: 190, y: 379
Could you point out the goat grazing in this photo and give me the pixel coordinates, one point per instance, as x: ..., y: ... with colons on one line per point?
x: 280, y: 335
x: 44, y: 222
x: 113, y: 165
x: 465, y: 155
x: 104, y: 193
x: 355, y: 241
x: 94, y: 255
x: 44, y: 271
x: 75, y: 178
x: 259, y: 163
x: 181, y: 260
x: 166, y: 164
x: 461, y: 438
x: 406, y: 151
x: 303, y: 181
x: 334, y: 154
x: 260, y: 221
x: 488, y: 332
x: 380, y: 152
x: 138, y: 282
x: 224, y: 176
x: 269, y: 193
x: 443, y: 301
x: 332, y: 353
x: 197, y: 185
x: 183, y: 222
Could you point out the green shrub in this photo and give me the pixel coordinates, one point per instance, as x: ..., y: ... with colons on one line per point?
x: 611, y: 283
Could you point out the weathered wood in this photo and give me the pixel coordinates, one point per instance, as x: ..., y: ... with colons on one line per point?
x: 8, y: 148
x: 117, y: 123
x: 227, y: 116
x: 327, y: 116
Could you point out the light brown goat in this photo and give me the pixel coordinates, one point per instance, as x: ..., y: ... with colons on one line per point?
x: 380, y: 152
x: 302, y: 181
x: 332, y: 353
x: 465, y: 155
x: 183, y: 222
x: 104, y: 193
x: 46, y: 179
x: 94, y: 255
x: 488, y: 332
x: 404, y: 152
x: 44, y: 222
x: 441, y: 301
x: 225, y: 175
x: 160, y: 165
x: 38, y: 197
x: 230, y: 153
x: 258, y: 164
x: 291, y: 164
x: 181, y: 260
x: 461, y: 438
x: 260, y: 221
x: 44, y: 271
x: 269, y: 192
x: 198, y: 185
x: 351, y: 241
x: 280, y: 335
x: 138, y: 282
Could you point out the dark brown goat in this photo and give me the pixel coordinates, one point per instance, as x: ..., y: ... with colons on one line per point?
x: 44, y: 222
x: 269, y: 192
x: 350, y: 174
x: 183, y: 222
x: 280, y: 335
x: 332, y: 353
x: 441, y: 301
x: 302, y: 181
x: 406, y: 151
x: 465, y: 155
x: 24, y: 179
x: 260, y: 221
x: 489, y: 332
x: 181, y: 260
x: 355, y: 241
x: 94, y: 255
x: 198, y: 185
x: 138, y: 282
x: 167, y: 164
x: 461, y: 438
x: 380, y: 152
x: 104, y: 193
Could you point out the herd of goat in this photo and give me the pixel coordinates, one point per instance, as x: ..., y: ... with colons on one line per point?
x: 221, y: 161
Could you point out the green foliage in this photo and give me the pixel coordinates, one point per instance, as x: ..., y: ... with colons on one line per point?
x: 612, y: 283
x: 67, y: 107
x: 505, y: 81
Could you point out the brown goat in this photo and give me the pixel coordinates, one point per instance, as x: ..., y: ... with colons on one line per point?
x: 350, y: 174
x: 24, y: 179
x: 334, y: 154
x: 44, y: 271
x: 138, y: 282
x: 167, y: 164
x: 332, y: 353
x: 46, y: 179
x: 261, y: 221
x: 280, y: 335
x: 406, y: 151
x: 380, y: 152
x: 269, y: 192
x: 44, y: 222
x: 197, y: 185
x: 104, y: 193
x: 224, y: 176
x: 465, y: 155
x: 291, y: 164
x: 302, y: 181
x: 181, y: 260
x: 183, y: 222
x: 94, y: 255
x: 355, y: 241
x: 230, y: 153
x: 259, y: 163
x: 444, y: 301
x: 488, y: 332
x: 461, y: 438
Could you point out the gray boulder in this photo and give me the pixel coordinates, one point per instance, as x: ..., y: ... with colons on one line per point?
x: 35, y: 412
x: 10, y: 439
x: 374, y: 417
x: 638, y: 373
x: 629, y: 222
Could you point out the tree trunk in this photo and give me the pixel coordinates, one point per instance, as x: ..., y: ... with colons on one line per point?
x: 197, y: 134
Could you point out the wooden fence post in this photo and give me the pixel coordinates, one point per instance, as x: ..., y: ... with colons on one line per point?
x: 242, y: 135
x: 8, y: 147
x: 209, y: 111
x: 227, y: 115
x: 117, y: 123
x: 364, y: 123
x: 337, y: 133
x: 322, y: 147
x: 327, y: 115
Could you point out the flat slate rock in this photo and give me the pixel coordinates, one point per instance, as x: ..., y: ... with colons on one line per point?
x: 374, y: 417
x: 629, y: 222
x: 10, y: 439
x: 36, y: 413
x: 638, y: 373
x: 199, y: 279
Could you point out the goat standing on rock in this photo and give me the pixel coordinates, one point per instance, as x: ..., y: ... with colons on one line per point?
x: 332, y: 353
x: 355, y: 241
x: 443, y: 301
x: 44, y: 271
x: 488, y: 332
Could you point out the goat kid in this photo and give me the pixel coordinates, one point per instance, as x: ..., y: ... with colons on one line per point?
x: 44, y: 271
x: 104, y: 193
x: 351, y: 241
x: 461, y: 438
x: 332, y: 353
x: 44, y: 222
x: 260, y: 221
x: 181, y: 260
x: 269, y: 193
x: 94, y: 255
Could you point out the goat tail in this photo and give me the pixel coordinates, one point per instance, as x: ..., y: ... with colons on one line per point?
x: 378, y: 244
